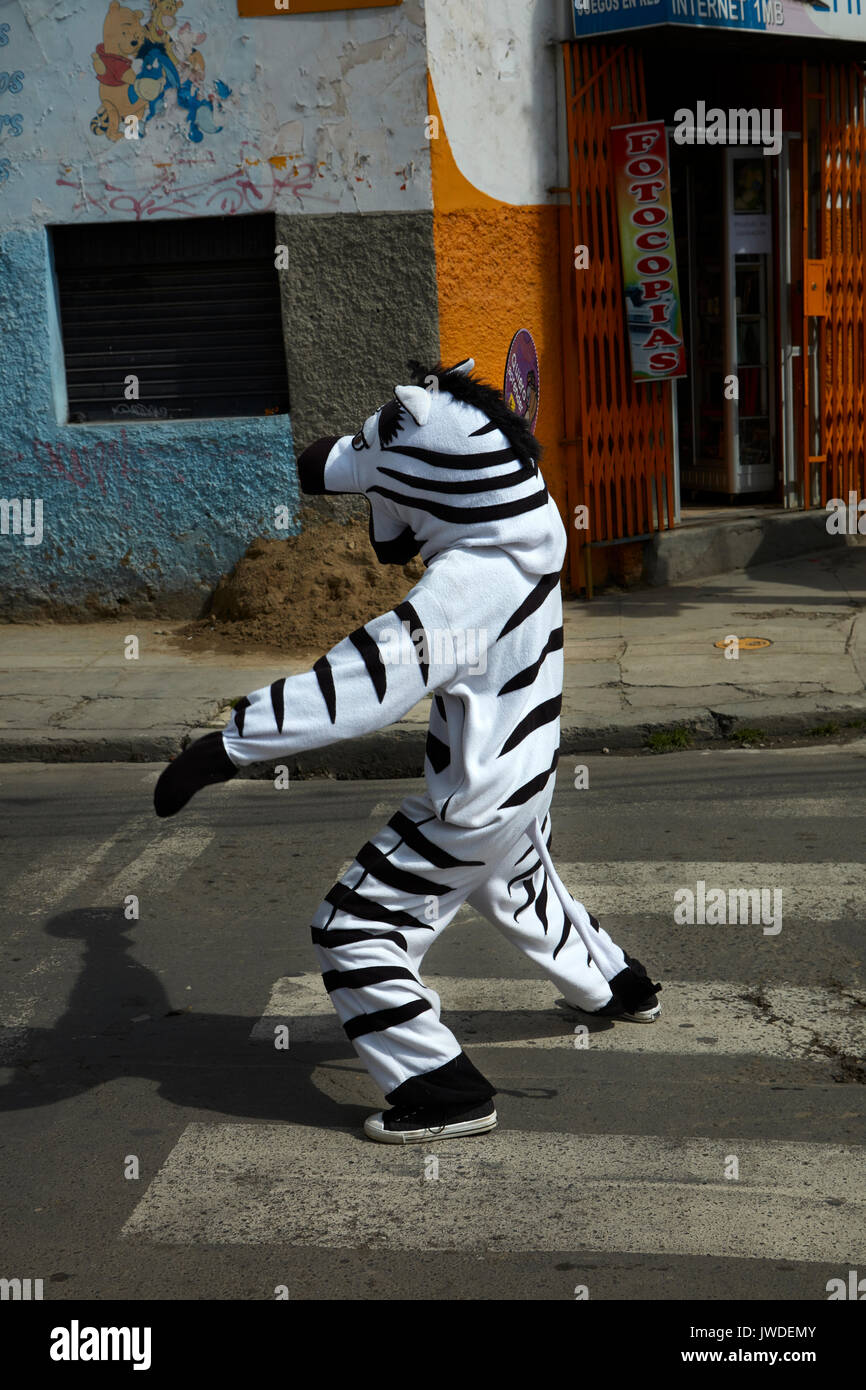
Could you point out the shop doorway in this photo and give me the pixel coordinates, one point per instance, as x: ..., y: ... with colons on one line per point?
x: 729, y: 443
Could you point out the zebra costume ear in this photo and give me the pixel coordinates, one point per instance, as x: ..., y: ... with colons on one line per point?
x: 416, y: 400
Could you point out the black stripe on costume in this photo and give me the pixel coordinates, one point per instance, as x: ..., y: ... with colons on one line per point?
x: 406, y: 613
x: 546, y: 583
x: 527, y: 675
x: 566, y: 928
x: 384, y: 1018
x: 439, y: 858
x: 531, y: 849
x: 372, y: 657
x: 532, y: 787
x: 524, y: 873
x: 543, y: 714
x: 370, y: 975
x: 467, y: 515
x: 529, y: 887
x: 440, y: 708
x: 325, y: 676
x: 541, y: 905
x: 371, y: 858
x: 278, y: 695
x: 331, y: 938
x: 470, y: 485
x: 484, y: 429
x: 397, y: 551
x: 437, y: 752
x: 437, y: 459
x: 346, y: 899
x: 240, y: 715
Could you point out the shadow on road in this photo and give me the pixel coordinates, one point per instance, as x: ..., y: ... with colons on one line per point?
x: 119, y: 1022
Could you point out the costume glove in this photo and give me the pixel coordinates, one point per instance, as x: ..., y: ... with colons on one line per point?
x: 203, y: 764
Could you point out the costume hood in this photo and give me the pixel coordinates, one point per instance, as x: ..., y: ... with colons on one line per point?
x: 444, y: 465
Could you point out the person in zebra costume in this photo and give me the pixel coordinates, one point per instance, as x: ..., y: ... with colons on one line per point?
x: 450, y: 472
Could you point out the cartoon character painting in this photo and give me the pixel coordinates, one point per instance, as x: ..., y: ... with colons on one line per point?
x: 169, y: 77
x: 190, y: 62
x: 163, y: 19
x: 121, y: 91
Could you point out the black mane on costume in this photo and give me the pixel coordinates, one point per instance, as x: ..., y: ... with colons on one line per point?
x: 468, y: 388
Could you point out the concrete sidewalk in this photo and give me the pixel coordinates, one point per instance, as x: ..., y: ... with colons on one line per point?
x: 635, y: 663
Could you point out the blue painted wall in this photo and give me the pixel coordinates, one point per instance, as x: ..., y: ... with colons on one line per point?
x: 132, y: 512
x: 303, y: 116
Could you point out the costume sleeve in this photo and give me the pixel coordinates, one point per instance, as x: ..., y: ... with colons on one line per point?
x: 366, y: 682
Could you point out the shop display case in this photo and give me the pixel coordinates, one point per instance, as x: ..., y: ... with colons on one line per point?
x: 730, y: 445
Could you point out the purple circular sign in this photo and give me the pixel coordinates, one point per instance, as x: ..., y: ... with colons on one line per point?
x: 520, y: 389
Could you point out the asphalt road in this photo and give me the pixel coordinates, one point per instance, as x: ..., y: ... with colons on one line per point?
x: 158, y: 1145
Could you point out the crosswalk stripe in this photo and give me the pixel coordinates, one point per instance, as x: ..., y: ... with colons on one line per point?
x: 763, y: 808
x: 165, y: 858
x: 699, y: 1018
x: 21, y: 998
x: 822, y: 892
x: 42, y: 888
x: 242, y: 1184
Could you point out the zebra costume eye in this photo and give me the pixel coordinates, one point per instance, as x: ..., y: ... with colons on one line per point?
x: 391, y: 420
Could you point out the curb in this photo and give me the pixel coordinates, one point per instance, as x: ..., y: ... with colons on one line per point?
x: 399, y: 753
x: 693, y: 552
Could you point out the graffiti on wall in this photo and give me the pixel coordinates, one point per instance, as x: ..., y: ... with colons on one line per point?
x: 11, y: 83
x: 153, y: 69
x: 254, y: 185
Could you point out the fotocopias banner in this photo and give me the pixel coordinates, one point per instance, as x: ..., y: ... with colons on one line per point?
x: 649, y: 263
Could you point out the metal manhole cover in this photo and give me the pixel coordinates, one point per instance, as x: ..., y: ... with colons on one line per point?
x: 746, y: 644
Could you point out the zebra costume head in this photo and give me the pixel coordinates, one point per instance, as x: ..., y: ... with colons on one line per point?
x: 444, y: 464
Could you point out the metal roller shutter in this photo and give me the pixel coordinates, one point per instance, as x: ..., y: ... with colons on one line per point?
x: 190, y: 307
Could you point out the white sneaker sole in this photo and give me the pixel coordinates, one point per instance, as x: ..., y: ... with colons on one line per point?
x: 375, y: 1129
x: 646, y: 1016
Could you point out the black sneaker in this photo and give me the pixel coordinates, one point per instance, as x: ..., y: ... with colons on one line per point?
x: 422, y: 1125
x: 645, y: 1010
x: 648, y: 1009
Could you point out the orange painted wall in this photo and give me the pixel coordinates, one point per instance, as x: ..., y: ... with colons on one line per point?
x: 497, y: 268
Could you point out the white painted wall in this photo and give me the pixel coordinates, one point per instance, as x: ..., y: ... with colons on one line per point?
x: 496, y: 69
x: 326, y: 114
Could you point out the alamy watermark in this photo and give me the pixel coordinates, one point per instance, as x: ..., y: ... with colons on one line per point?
x: 20, y: 1290
x: 466, y: 646
x: 736, y: 126
x: 717, y: 907
x: 846, y: 520
x: 22, y: 516
x: 77, y: 1343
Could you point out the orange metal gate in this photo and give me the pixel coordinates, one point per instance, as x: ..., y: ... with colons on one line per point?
x: 619, y: 441
x: 834, y: 228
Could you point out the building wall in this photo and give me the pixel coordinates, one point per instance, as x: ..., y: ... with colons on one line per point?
x: 495, y: 82
x: 317, y: 118
x: 365, y: 304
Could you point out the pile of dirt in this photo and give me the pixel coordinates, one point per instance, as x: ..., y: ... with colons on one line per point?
x: 303, y: 594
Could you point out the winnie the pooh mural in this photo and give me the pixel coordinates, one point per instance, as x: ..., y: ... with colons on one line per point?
x: 121, y: 91
x: 152, y: 69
